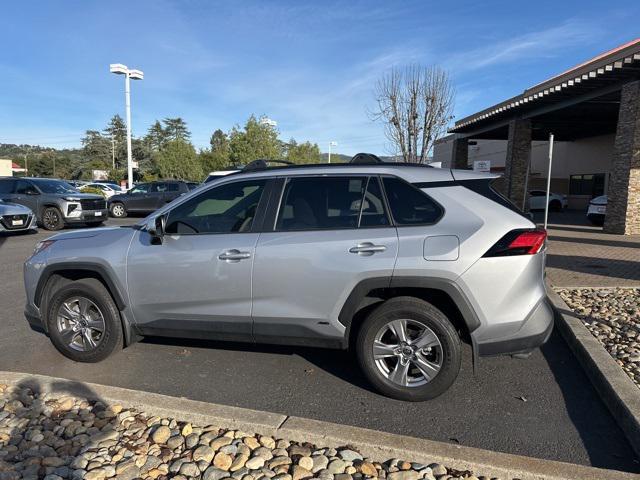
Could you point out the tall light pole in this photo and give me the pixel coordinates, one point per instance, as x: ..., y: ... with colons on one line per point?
x: 129, y: 74
x: 331, y: 144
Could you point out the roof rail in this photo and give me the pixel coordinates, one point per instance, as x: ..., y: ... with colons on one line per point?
x: 365, y: 158
x: 262, y: 164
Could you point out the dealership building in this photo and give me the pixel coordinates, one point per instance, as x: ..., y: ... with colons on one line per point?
x: 593, y: 111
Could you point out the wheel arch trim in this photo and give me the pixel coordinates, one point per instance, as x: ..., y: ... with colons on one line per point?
x: 100, y: 270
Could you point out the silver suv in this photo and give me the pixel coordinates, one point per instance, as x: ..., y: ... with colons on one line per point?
x: 400, y: 263
x: 54, y: 202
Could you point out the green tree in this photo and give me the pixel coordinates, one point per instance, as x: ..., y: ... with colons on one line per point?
x: 218, y: 156
x: 257, y: 140
x: 95, y: 147
x: 178, y: 160
x: 176, y: 129
x: 116, y: 134
x: 306, y: 152
x: 156, y: 137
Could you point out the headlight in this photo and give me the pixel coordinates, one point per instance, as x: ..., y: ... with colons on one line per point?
x: 43, y: 245
x: 72, y: 199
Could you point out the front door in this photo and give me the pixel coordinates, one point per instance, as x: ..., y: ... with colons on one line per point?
x: 137, y: 197
x: 331, y: 233
x: 197, y: 283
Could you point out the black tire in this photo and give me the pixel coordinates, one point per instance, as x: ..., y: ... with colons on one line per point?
x: 555, y: 206
x: 118, y: 210
x: 52, y: 219
x: 93, y: 290
x: 422, y: 313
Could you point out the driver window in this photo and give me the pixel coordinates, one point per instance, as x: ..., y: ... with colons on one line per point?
x: 143, y: 188
x: 229, y: 208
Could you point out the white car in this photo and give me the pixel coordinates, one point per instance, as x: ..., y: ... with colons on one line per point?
x: 537, y: 199
x: 597, y: 210
x: 108, y: 189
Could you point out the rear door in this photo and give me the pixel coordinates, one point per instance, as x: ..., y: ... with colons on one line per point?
x: 25, y: 193
x: 172, y: 190
x: 324, y: 236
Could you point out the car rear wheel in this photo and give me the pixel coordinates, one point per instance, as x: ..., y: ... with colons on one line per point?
x: 118, y: 210
x: 83, y: 321
x: 409, y: 350
x: 555, y: 206
x: 52, y: 219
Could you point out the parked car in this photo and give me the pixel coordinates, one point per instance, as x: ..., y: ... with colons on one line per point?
x: 76, y: 183
x: 146, y: 197
x: 16, y: 218
x: 537, y: 200
x: 400, y: 262
x: 54, y: 202
x: 108, y: 189
x: 597, y: 210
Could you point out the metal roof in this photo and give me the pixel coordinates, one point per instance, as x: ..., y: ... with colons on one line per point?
x: 611, y: 68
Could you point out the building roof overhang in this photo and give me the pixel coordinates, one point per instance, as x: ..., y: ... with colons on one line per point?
x: 593, y: 87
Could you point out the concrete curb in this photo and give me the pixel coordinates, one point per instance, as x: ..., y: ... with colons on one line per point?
x: 374, y: 444
x: 617, y: 390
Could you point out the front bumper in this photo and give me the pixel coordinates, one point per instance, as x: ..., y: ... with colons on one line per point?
x: 8, y: 223
x: 32, y: 314
x: 535, y: 331
x: 87, y: 216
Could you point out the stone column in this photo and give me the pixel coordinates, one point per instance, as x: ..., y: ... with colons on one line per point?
x: 517, y: 160
x: 623, y: 203
x: 460, y: 153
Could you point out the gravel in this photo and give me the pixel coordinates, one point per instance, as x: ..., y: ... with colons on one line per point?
x: 53, y: 437
x: 612, y: 315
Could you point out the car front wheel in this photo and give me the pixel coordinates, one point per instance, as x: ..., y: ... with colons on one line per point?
x: 52, y: 219
x: 83, y: 321
x: 409, y: 350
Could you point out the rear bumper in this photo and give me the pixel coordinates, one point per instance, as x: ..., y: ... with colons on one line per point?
x: 535, y: 331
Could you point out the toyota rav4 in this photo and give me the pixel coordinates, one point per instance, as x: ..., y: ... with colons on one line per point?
x: 400, y: 263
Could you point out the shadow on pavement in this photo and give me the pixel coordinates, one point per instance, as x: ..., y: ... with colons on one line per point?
x: 605, y: 267
x: 602, y: 441
x: 597, y: 241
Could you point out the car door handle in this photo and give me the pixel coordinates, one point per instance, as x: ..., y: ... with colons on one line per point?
x: 234, y: 255
x: 367, y: 249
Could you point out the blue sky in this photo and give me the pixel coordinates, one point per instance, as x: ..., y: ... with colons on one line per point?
x: 308, y: 65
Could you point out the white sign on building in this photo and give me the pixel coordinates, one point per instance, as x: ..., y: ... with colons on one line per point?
x: 482, y: 165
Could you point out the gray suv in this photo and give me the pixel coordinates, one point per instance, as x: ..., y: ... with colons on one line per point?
x: 54, y: 202
x: 400, y: 263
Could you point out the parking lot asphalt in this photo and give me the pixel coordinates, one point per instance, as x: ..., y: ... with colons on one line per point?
x: 543, y: 406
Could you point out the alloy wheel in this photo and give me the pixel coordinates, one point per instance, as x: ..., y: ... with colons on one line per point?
x: 50, y: 219
x: 407, y: 352
x: 80, y: 323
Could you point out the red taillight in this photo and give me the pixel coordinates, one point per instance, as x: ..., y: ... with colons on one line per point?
x: 532, y: 241
x: 519, y: 242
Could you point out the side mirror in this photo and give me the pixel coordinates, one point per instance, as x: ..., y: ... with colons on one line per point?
x: 156, y: 229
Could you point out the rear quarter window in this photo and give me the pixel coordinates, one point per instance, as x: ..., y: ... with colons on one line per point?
x: 410, y: 205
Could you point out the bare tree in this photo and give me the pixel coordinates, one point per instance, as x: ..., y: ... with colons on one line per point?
x: 415, y: 103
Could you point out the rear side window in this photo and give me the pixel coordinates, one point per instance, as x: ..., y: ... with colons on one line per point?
x: 6, y: 186
x: 318, y: 203
x: 410, y: 205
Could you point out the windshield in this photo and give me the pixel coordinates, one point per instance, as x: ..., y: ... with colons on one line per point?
x: 54, y: 186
